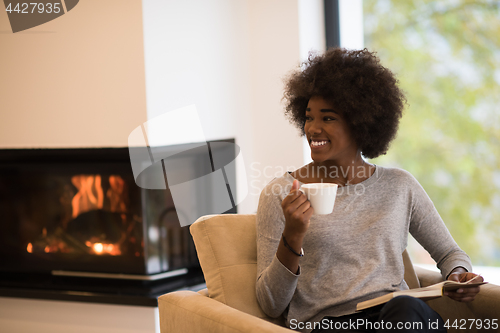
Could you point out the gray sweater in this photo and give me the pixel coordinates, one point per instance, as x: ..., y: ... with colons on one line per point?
x: 352, y: 254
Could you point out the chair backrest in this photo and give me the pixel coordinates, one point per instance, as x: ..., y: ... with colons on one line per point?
x: 410, y: 277
x: 227, y: 250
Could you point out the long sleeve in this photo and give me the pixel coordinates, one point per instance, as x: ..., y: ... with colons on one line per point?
x: 427, y: 227
x: 276, y: 284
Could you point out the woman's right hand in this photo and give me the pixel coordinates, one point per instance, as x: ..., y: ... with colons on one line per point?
x: 298, y: 211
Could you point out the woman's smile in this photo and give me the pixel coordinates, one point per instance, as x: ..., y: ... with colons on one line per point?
x: 319, y: 144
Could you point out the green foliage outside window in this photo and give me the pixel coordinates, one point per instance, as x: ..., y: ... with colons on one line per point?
x: 446, y: 55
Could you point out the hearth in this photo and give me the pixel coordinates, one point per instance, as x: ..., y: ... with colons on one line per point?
x: 79, y: 211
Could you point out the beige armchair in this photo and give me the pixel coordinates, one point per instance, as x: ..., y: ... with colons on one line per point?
x: 227, y: 249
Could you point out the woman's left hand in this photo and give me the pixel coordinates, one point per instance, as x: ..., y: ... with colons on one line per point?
x: 463, y: 294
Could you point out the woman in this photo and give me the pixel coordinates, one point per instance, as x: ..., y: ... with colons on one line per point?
x: 313, y: 268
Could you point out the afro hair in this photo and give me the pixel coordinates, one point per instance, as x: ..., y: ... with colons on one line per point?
x: 354, y: 81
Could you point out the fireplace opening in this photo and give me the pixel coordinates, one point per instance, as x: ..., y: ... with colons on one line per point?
x: 80, y: 210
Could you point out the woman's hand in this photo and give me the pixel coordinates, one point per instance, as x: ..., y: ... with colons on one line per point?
x: 459, y: 274
x: 297, y: 210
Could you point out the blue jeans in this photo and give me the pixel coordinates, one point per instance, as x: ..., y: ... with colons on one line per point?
x: 401, y: 314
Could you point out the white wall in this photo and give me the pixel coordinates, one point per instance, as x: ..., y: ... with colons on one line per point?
x: 76, y: 81
x: 312, y: 38
x: 311, y: 27
x: 228, y: 58
x: 275, y: 50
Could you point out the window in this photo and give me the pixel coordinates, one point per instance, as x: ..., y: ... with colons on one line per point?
x: 446, y: 55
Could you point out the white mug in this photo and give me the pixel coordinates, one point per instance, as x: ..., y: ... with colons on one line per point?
x: 321, y: 195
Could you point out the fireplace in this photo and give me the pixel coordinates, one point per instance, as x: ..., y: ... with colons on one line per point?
x: 80, y: 212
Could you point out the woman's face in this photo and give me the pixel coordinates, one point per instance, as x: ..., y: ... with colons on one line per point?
x: 327, y: 133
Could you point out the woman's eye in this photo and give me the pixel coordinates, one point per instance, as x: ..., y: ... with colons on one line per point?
x: 328, y: 118
x: 308, y: 118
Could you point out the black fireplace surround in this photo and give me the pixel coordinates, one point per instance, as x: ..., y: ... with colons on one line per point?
x: 80, y: 210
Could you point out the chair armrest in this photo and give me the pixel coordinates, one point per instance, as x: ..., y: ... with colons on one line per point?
x: 485, y: 306
x: 189, y: 311
x: 427, y: 277
x: 203, y: 292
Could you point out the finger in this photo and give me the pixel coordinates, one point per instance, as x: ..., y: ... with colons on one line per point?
x: 308, y: 213
x: 292, y: 204
x: 303, y: 207
x: 465, y: 277
x: 468, y: 294
x: 458, y: 293
x: 454, y: 277
x: 295, y: 187
x: 297, y: 199
x: 473, y: 290
x: 291, y: 197
x: 467, y: 291
x: 475, y: 277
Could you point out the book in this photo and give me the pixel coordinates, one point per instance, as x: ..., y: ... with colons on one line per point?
x: 425, y: 293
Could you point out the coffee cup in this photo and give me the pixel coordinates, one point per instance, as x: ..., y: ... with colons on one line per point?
x: 321, y: 195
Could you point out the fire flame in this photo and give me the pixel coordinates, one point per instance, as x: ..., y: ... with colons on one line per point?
x: 90, y: 195
x: 104, y: 248
x: 116, y: 194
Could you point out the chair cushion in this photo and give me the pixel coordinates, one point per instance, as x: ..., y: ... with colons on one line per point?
x: 227, y: 250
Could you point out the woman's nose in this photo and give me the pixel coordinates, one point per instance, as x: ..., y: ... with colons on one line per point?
x: 315, y: 128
